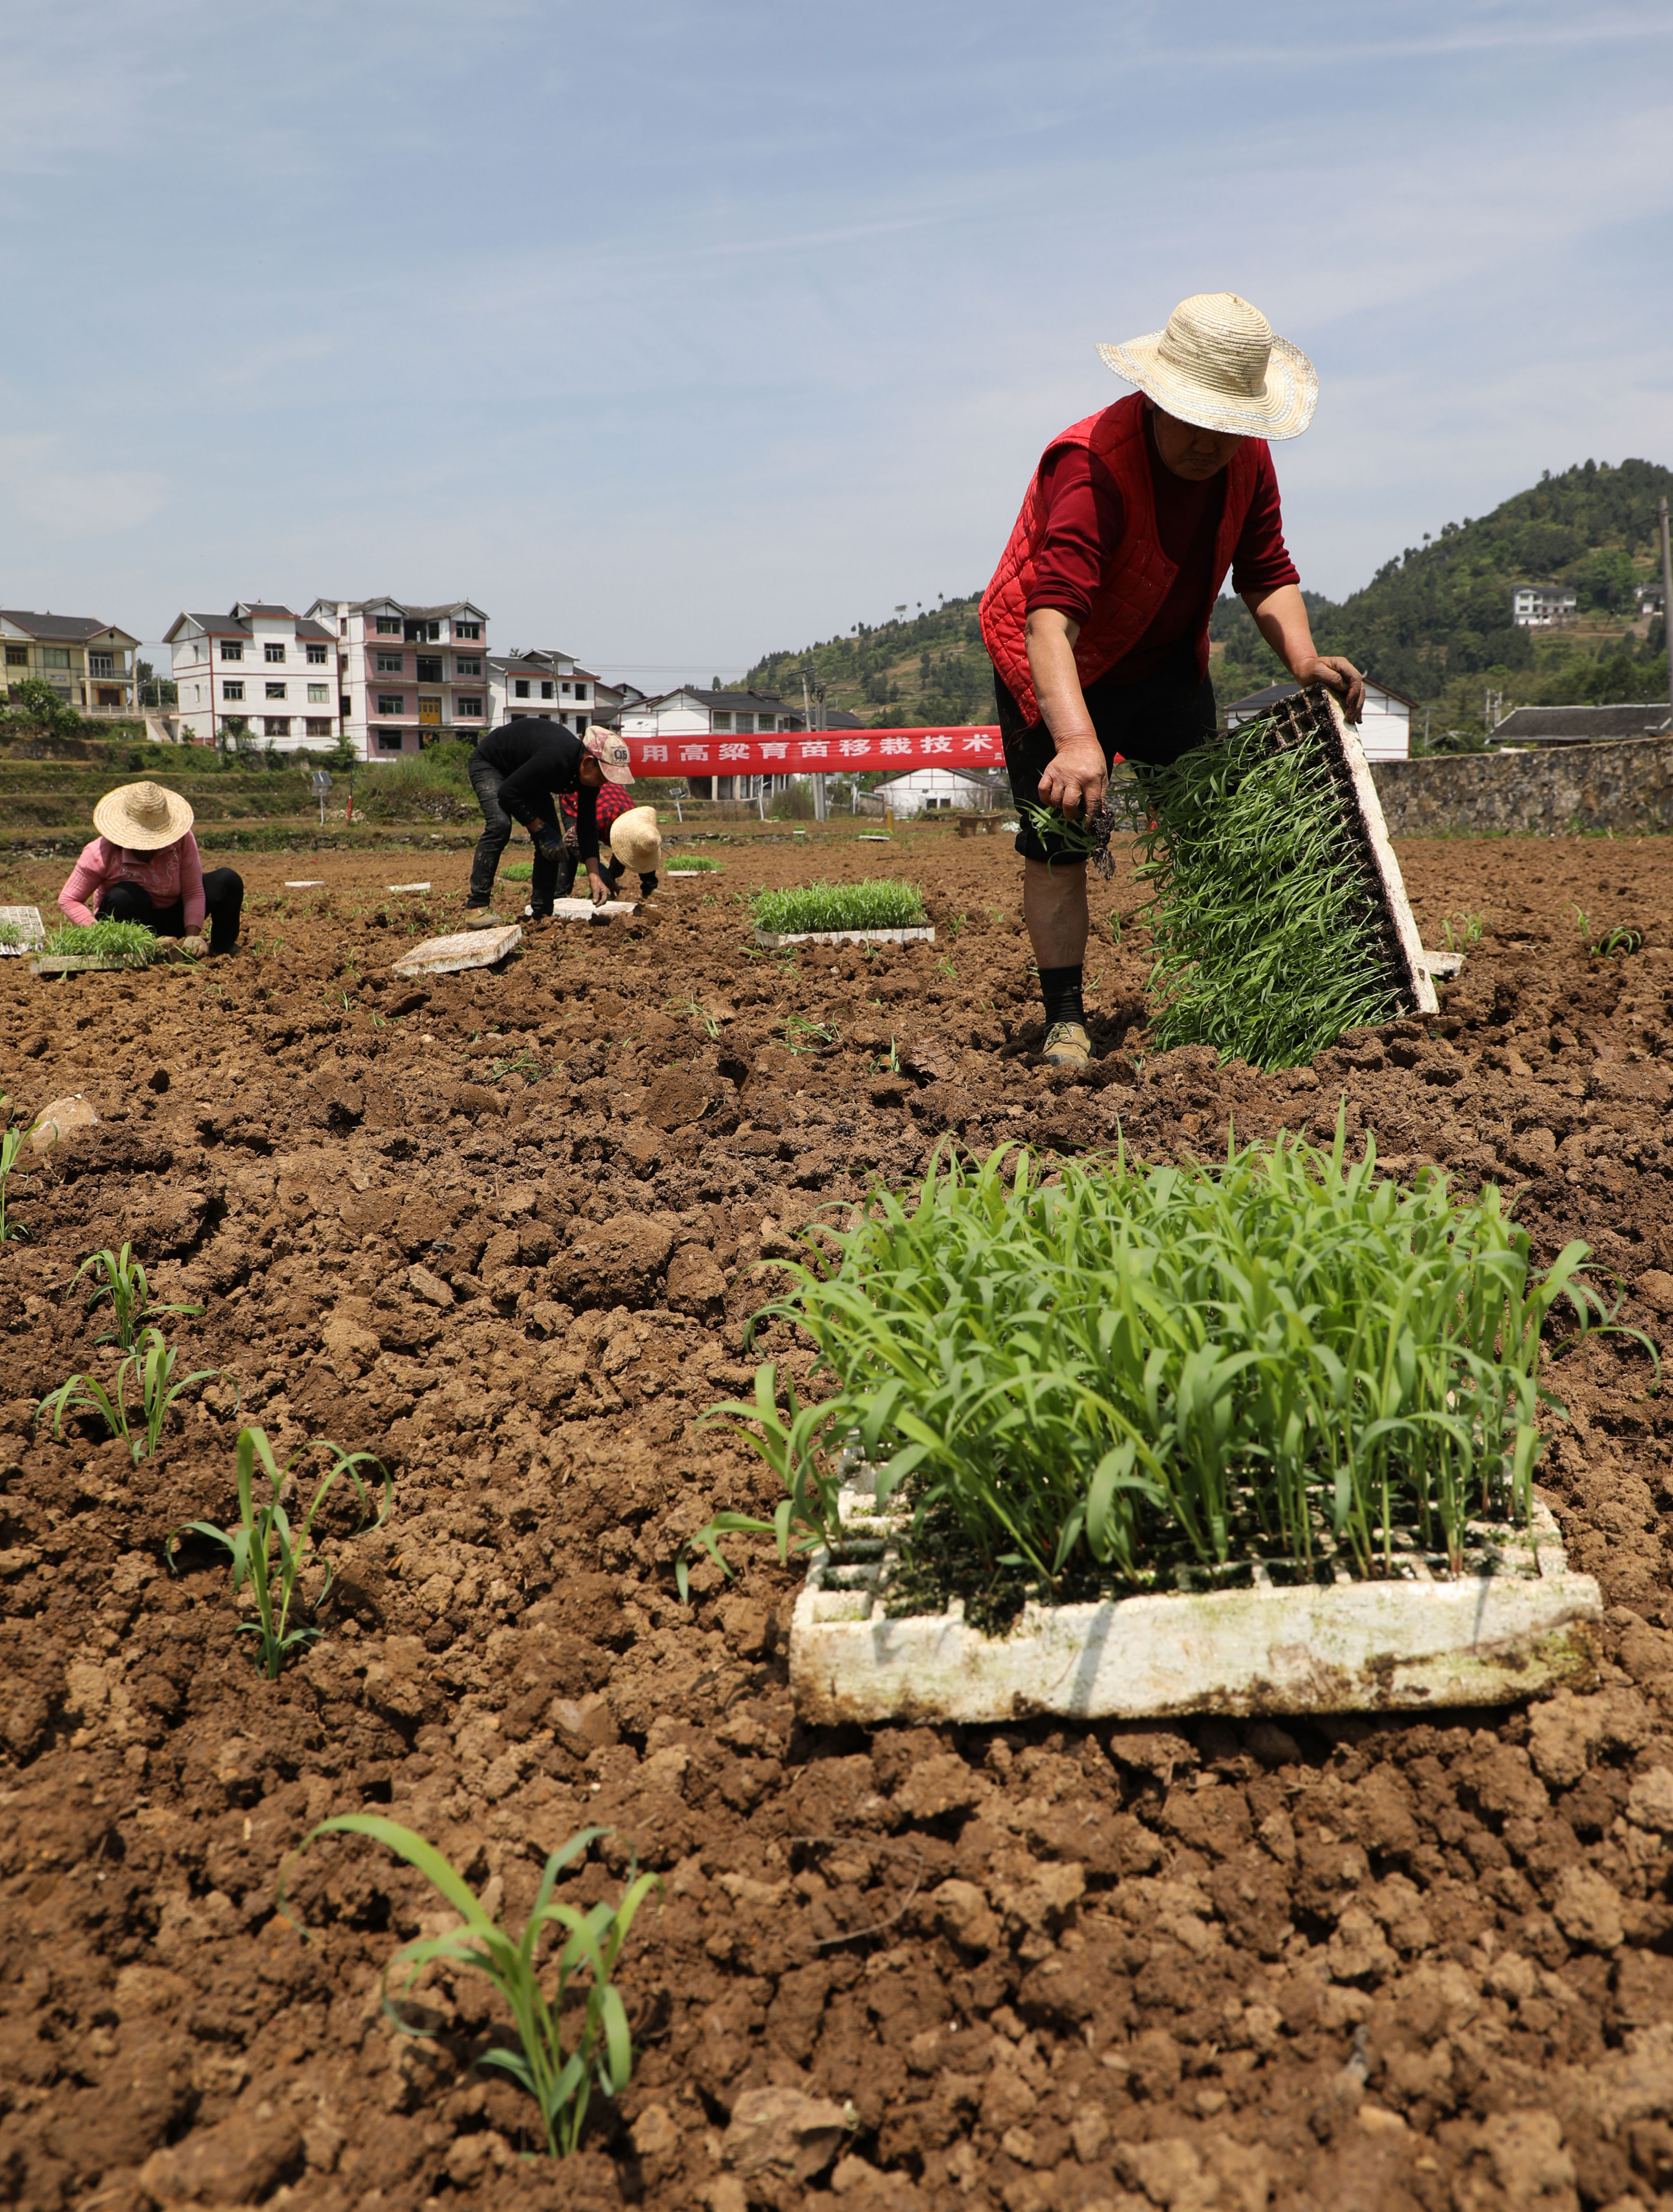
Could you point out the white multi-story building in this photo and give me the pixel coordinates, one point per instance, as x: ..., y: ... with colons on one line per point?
x: 1536, y: 606
x: 411, y: 675
x: 546, y: 686
x: 690, y: 712
x: 260, y: 670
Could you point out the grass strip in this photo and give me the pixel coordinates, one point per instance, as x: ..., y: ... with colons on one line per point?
x: 693, y: 864
x: 1270, y: 938
x: 1129, y: 1368
x: 129, y: 943
x: 880, y: 903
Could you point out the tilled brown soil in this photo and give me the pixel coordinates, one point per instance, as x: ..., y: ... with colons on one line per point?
x: 1368, y: 1963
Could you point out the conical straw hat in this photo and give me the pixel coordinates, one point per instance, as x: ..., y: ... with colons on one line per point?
x: 636, y: 841
x: 1219, y: 364
x: 142, y: 818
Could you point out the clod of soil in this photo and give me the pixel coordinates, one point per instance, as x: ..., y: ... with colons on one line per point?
x: 1391, y: 1964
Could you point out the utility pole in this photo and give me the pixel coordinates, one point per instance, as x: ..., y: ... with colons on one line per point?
x: 1666, y: 596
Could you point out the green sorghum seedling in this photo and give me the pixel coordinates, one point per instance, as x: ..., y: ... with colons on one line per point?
x: 697, y: 864
x: 558, y: 2075
x: 12, y: 1140
x: 263, y: 1551
x: 1269, y: 943
x: 127, y: 1288
x: 151, y: 1366
x: 1130, y: 1366
x: 129, y: 943
x: 878, y: 904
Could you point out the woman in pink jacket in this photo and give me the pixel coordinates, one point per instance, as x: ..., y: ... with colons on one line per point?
x: 144, y: 866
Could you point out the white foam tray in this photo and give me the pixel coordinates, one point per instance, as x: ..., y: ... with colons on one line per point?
x: 32, y: 930
x: 1518, y: 1622
x: 581, y: 909
x: 772, y: 938
x: 466, y: 948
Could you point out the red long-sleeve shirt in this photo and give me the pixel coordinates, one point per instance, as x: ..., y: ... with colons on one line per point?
x: 1086, y: 517
x: 174, y: 872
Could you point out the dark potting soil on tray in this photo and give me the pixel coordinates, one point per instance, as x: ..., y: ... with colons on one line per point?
x: 1365, y: 1966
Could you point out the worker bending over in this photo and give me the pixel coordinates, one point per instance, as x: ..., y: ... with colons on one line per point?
x: 1097, y: 617
x: 520, y: 772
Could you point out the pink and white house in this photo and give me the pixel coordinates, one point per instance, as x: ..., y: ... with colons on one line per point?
x: 410, y: 674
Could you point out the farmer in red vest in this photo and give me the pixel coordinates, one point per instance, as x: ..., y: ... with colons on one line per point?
x: 1097, y: 618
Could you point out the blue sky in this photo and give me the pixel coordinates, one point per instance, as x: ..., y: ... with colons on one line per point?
x: 674, y: 334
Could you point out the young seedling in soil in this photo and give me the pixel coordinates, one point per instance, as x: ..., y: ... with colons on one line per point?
x: 126, y: 1287
x: 1270, y: 938
x: 11, y: 1144
x: 1466, y: 934
x: 1091, y: 1383
x: 558, y: 2079
x: 151, y: 1365
x: 128, y: 944
x: 878, y: 904
x: 263, y: 1548
x: 1620, y: 940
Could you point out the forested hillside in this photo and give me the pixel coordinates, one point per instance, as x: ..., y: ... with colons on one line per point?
x: 1434, y: 621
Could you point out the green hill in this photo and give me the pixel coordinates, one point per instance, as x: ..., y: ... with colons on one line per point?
x: 1434, y: 621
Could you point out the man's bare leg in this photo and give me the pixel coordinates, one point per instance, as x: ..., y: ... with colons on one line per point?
x: 1054, y: 906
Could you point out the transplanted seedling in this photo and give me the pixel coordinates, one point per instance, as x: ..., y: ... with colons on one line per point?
x: 151, y: 1366
x: 1622, y: 938
x: 559, y: 2079
x: 125, y: 1283
x: 11, y: 1144
x: 266, y: 1552
x: 1460, y: 932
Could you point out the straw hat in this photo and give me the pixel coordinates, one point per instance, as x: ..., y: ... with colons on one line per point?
x: 143, y: 817
x: 1219, y: 364
x: 610, y: 751
x: 636, y: 841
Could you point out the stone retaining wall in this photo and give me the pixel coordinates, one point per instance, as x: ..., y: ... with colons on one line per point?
x: 1626, y: 788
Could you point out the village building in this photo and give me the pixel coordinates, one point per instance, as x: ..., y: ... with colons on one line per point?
x: 1385, y: 727
x: 408, y: 674
x: 692, y: 713
x: 262, y: 672
x: 1584, y: 725
x: 938, y: 791
x: 547, y: 686
x: 88, y: 663
x: 1536, y: 606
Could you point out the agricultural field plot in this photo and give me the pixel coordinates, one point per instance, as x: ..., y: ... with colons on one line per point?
x: 504, y: 1231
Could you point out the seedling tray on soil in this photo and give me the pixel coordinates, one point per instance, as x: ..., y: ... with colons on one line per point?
x: 580, y: 909
x: 1516, y: 1621
x: 772, y: 939
x: 465, y: 948
x: 31, y: 931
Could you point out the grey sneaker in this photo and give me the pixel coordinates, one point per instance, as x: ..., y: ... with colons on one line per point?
x: 1067, y: 1045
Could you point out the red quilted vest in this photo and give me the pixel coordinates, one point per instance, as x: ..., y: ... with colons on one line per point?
x: 1139, y: 581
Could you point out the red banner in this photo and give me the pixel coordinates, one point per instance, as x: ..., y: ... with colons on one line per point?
x: 809, y: 752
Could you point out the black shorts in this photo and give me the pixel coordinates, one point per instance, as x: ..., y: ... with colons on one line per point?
x: 1154, y: 721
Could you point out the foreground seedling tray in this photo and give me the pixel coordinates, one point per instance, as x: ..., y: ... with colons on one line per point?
x: 1517, y: 1621
x: 31, y: 931
x: 465, y: 948
x: 772, y: 939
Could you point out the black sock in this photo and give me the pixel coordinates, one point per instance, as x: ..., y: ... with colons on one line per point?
x: 1060, y: 988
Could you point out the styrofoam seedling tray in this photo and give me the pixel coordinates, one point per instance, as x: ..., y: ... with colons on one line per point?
x: 1516, y: 1621
x: 306, y: 884
x: 465, y: 948
x: 407, y: 887
x: 1443, y: 966
x: 772, y: 939
x: 580, y: 909
x: 31, y: 931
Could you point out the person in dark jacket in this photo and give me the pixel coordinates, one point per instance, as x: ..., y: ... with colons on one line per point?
x: 516, y: 772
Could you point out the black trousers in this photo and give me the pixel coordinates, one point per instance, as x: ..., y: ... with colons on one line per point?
x: 223, y: 905
x: 485, y: 782
x: 1154, y: 722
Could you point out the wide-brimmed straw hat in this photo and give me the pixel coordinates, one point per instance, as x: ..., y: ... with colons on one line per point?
x: 1219, y: 364
x: 636, y: 841
x: 610, y: 752
x: 143, y: 817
